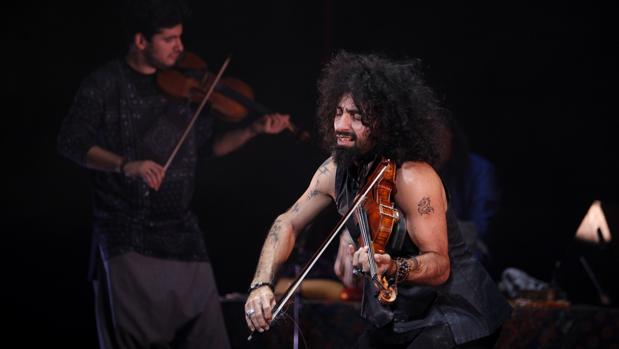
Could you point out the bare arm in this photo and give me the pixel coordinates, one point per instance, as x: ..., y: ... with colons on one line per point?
x: 280, y: 242
x: 421, y: 197
x: 281, y: 238
x: 234, y: 139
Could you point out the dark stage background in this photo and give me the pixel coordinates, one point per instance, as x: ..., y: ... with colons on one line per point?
x: 534, y: 86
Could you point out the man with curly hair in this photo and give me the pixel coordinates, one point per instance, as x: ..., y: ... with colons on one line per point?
x: 371, y: 108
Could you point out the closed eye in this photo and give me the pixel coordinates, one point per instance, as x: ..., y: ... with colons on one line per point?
x: 339, y: 111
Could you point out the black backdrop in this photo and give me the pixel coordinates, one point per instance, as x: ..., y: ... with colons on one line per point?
x: 533, y: 86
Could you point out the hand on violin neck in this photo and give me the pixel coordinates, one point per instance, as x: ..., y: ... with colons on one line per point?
x: 232, y: 140
x: 149, y: 171
x: 360, y: 259
x: 270, y: 124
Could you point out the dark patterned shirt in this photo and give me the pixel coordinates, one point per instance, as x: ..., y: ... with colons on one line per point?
x: 124, y: 112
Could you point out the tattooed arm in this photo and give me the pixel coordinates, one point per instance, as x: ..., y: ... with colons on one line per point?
x: 280, y: 242
x: 421, y: 197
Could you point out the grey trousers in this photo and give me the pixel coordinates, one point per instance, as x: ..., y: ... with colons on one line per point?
x: 146, y: 302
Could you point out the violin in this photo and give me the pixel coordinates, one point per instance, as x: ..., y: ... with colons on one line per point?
x: 376, y: 220
x: 232, y: 98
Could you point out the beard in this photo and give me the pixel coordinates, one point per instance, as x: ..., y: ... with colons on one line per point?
x: 152, y: 59
x: 345, y: 157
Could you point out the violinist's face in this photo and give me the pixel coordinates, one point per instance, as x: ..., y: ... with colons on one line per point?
x: 350, y: 132
x: 165, y: 47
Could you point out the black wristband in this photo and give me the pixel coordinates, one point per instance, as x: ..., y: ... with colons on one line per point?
x: 258, y: 285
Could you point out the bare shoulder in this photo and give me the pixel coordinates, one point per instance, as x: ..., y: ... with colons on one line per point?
x: 417, y: 173
x: 418, y: 182
x: 329, y: 165
x: 324, y: 178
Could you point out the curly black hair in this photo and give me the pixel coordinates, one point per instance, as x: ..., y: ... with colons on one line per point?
x: 150, y: 16
x: 393, y: 99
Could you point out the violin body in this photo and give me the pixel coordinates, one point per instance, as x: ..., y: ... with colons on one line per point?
x: 230, y: 109
x: 232, y: 98
x: 377, y: 222
x: 380, y: 208
x: 189, y: 79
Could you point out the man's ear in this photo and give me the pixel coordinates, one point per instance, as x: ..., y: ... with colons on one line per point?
x: 140, y: 41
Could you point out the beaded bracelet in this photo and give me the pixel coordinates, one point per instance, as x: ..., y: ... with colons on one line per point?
x: 402, y: 271
x: 258, y: 285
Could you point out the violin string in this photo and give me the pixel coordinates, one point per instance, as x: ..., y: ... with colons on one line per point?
x: 364, y: 227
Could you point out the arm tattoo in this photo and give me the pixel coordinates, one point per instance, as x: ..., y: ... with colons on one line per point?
x: 311, y: 194
x: 261, y: 270
x: 295, y: 208
x: 424, y: 207
x: 266, y: 269
x: 323, y: 171
x: 274, y: 231
x: 323, y: 168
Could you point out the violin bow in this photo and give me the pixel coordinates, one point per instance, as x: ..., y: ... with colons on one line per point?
x: 196, y: 113
x: 293, y: 287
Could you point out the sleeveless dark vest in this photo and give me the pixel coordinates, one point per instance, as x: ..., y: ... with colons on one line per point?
x: 469, y: 302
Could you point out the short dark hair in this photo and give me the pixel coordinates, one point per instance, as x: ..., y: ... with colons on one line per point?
x: 150, y: 16
x: 393, y: 99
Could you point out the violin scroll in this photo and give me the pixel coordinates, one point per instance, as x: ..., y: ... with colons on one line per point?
x: 387, y: 294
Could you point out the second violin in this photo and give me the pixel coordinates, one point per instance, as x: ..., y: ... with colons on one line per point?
x: 233, y: 99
